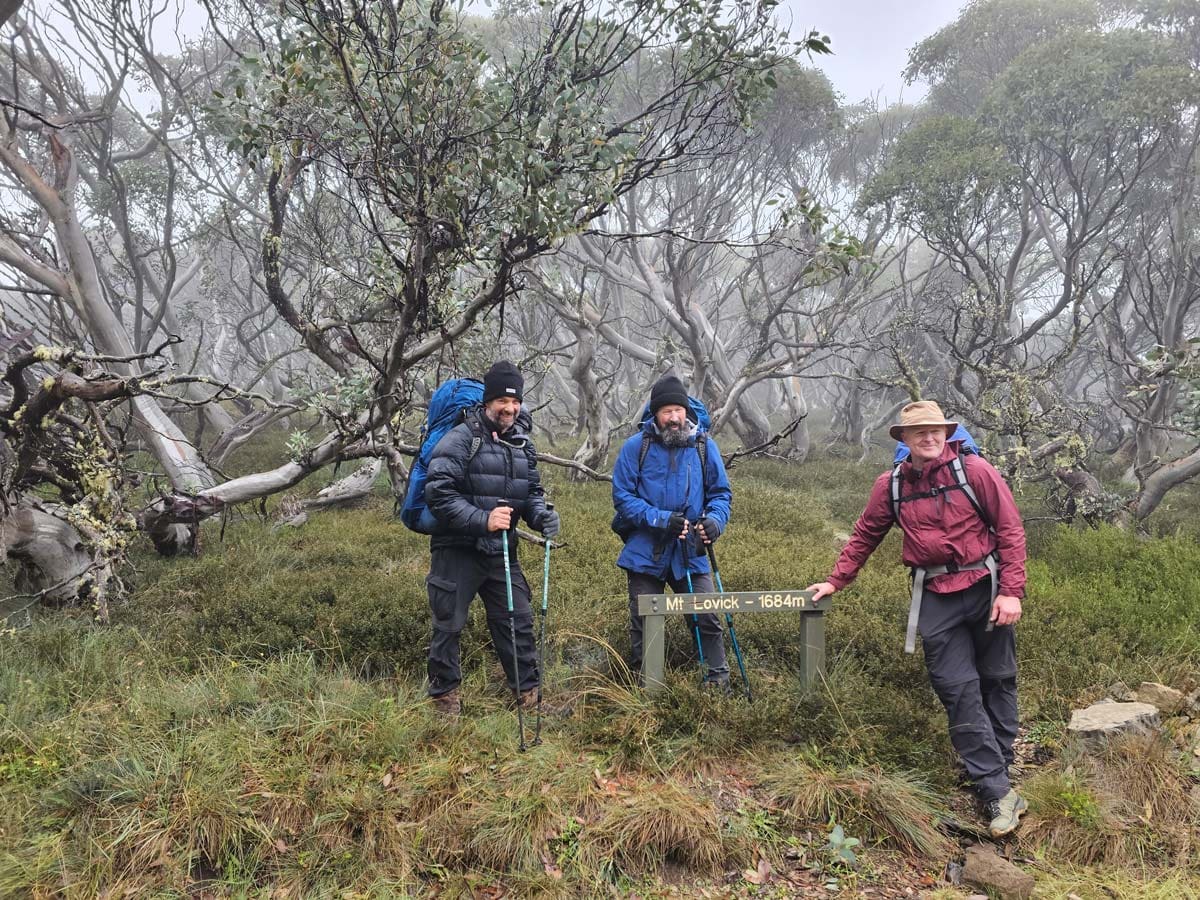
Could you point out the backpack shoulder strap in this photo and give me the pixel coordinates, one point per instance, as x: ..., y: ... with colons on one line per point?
x: 702, y: 452
x: 960, y: 478
x: 895, y: 494
x: 643, y: 450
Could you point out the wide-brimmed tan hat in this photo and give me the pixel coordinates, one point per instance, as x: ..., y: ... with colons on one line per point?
x: 922, y: 412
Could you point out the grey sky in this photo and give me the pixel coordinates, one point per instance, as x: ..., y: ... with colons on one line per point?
x: 871, y: 40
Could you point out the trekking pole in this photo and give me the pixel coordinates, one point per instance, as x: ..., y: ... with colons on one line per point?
x: 737, y: 650
x: 541, y: 655
x: 512, y: 628
x: 696, y: 627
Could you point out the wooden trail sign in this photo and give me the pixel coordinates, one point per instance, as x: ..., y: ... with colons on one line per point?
x: 656, y: 607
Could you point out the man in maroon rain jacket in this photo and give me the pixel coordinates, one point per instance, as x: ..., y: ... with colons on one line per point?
x: 966, y: 546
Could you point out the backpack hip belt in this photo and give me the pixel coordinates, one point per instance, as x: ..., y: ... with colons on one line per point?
x: 921, y: 573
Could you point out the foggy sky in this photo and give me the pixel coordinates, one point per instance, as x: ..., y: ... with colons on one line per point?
x: 871, y: 40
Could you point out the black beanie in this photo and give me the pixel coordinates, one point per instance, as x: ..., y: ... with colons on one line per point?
x: 668, y: 391
x: 503, y: 380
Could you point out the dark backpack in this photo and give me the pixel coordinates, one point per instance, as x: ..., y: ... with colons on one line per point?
x: 624, y: 529
x: 446, y: 408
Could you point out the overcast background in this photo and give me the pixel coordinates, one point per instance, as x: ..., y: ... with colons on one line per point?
x: 871, y: 40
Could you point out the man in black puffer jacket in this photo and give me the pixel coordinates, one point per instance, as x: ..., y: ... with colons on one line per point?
x: 484, y: 460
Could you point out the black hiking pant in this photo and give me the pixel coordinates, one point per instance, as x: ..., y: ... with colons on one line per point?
x: 712, y: 637
x: 974, y: 673
x: 456, y: 575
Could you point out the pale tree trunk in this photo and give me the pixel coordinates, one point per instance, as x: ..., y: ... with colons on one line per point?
x: 867, y: 438
x: 797, y: 407
x: 49, y: 551
x: 346, y: 492
x: 847, y: 423
x: 593, y: 411
x: 712, y: 369
x: 243, y: 431
x: 214, y: 415
x: 79, y: 283
x: 1155, y: 487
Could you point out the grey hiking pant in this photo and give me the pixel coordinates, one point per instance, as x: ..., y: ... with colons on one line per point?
x: 712, y: 637
x: 974, y: 673
x: 455, y: 577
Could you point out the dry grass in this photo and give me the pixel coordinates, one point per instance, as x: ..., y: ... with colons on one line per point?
x: 1109, y: 884
x: 651, y: 823
x: 893, y: 809
x: 1129, y: 805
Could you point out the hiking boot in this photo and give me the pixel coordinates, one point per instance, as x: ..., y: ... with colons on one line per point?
x: 528, y: 699
x: 448, y: 705
x: 719, y: 686
x: 1004, y: 815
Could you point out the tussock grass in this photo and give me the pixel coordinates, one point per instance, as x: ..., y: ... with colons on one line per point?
x: 1129, y: 806
x: 511, y: 822
x: 652, y: 822
x: 898, y: 810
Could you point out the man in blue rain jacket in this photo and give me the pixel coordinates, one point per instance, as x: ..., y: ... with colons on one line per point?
x: 671, y: 500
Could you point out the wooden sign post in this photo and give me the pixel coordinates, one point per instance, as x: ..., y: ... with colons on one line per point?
x: 655, y: 607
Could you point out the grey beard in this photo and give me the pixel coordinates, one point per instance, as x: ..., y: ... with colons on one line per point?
x: 674, y: 437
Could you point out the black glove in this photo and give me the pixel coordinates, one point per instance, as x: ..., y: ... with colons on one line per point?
x: 710, y: 527
x: 675, y: 525
x: 551, y: 524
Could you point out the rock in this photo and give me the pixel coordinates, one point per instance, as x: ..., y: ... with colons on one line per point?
x: 1193, y: 702
x: 1181, y: 730
x: 1101, y: 721
x: 1167, y: 699
x: 993, y: 873
x: 841, y: 538
x: 954, y: 872
x: 1120, y: 691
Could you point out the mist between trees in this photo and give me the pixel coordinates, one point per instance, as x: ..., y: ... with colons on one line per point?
x: 316, y: 211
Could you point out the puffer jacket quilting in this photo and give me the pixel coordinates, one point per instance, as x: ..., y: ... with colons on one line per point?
x: 461, y: 493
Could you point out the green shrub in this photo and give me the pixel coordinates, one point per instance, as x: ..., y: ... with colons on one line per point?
x: 257, y: 718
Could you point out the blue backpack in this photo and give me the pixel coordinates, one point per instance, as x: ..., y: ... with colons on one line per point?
x: 445, y: 411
